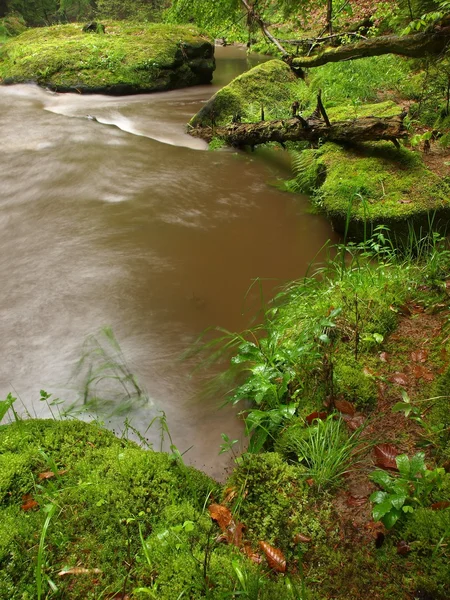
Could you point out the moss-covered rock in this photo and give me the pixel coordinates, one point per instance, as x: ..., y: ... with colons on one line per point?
x: 375, y: 184
x: 127, y: 58
x: 271, y: 86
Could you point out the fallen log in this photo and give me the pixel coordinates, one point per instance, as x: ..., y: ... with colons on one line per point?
x: 417, y: 45
x: 296, y: 129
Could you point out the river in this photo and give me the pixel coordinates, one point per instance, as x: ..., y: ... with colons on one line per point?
x: 128, y: 222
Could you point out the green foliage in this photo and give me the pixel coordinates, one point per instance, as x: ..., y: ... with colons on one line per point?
x: 139, y: 10
x: 325, y: 449
x: 130, y: 57
x: 307, y: 170
x: 401, y: 495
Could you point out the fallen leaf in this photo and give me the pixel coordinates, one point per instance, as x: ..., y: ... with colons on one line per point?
x: 385, y: 456
x: 221, y: 514
x: 403, y: 548
x: 234, y: 533
x: 310, y: 482
x: 399, y: 378
x: 77, y: 571
x: 28, y: 503
x: 230, y: 494
x: 420, y: 355
x: 355, y: 422
x: 421, y: 372
x: 274, y: 556
x: 50, y: 474
x: 316, y: 415
x: 253, y: 556
x: 299, y: 538
x: 354, y: 501
x: 405, y: 201
x: 345, y: 407
x: 384, y: 357
x: 440, y: 505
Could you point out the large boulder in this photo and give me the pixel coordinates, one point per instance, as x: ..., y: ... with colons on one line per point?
x: 271, y: 86
x: 128, y: 58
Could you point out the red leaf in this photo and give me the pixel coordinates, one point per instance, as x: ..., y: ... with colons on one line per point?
x: 399, y: 378
x: 385, y: 456
x: 440, y: 505
x: 274, y: 556
x: 316, y: 415
x: 345, y: 407
x: 28, y: 503
x: 420, y: 355
x: 221, y: 514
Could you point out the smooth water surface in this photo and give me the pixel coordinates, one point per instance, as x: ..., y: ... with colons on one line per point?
x: 127, y: 221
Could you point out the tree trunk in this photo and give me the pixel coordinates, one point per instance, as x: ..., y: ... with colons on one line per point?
x: 295, y: 129
x: 416, y: 46
x: 330, y: 17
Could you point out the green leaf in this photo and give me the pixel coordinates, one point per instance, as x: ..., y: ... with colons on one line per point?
x: 378, y: 497
x: 391, y: 518
x: 417, y: 464
x: 403, y: 465
x: 188, y: 526
x: 397, y: 500
x: 380, y: 510
x: 382, y: 478
x: 378, y: 338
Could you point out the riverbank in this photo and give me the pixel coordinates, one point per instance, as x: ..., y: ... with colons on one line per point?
x: 346, y: 376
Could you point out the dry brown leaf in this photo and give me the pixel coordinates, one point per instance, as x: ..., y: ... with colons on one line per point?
x: 403, y: 547
x: 316, y: 415
x: 28, y: 503
x: 440, y: 505
x: 221, y: 514
x: 234, y: 533
x: 78, y: 571
x: 310, y: 482
x: 299, y: 538
x: 399, y: 378
x: 354, y: 501
x: 274, y: 556
x: 344, y: 406
x: 355, y: 422
x: 385, y: 456
x: 384, y: 357
x: 50, y: 474
x: 230, y: 494
x: 421, y: 372
x: 253, y: 556
x: 419, y: 356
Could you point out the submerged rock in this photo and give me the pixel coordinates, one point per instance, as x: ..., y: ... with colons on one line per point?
x: 128, y: 58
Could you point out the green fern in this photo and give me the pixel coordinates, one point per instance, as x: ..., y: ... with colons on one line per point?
x: 307, y: 172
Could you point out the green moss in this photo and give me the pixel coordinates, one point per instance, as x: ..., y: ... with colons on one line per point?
x: 354, y: 384
x: 378, y: 184
x: 358, y: 110
x: 271, y: 85
x: 129, y: 57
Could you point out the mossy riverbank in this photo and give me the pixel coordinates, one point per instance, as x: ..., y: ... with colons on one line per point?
x: 128, y: 58
x: 324, y: 376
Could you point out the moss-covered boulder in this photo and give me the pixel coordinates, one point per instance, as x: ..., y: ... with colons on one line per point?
x: 128, y: 58
x: 271, y: 86
x: 362, y: 186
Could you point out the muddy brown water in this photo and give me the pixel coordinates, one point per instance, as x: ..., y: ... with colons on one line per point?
x: 127, y: 221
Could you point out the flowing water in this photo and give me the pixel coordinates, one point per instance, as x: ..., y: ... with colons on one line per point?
x: 126, y: 221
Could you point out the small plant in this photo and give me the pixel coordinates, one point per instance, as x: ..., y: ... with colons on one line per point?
x: 326, y: 451
x: 410, y: 489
